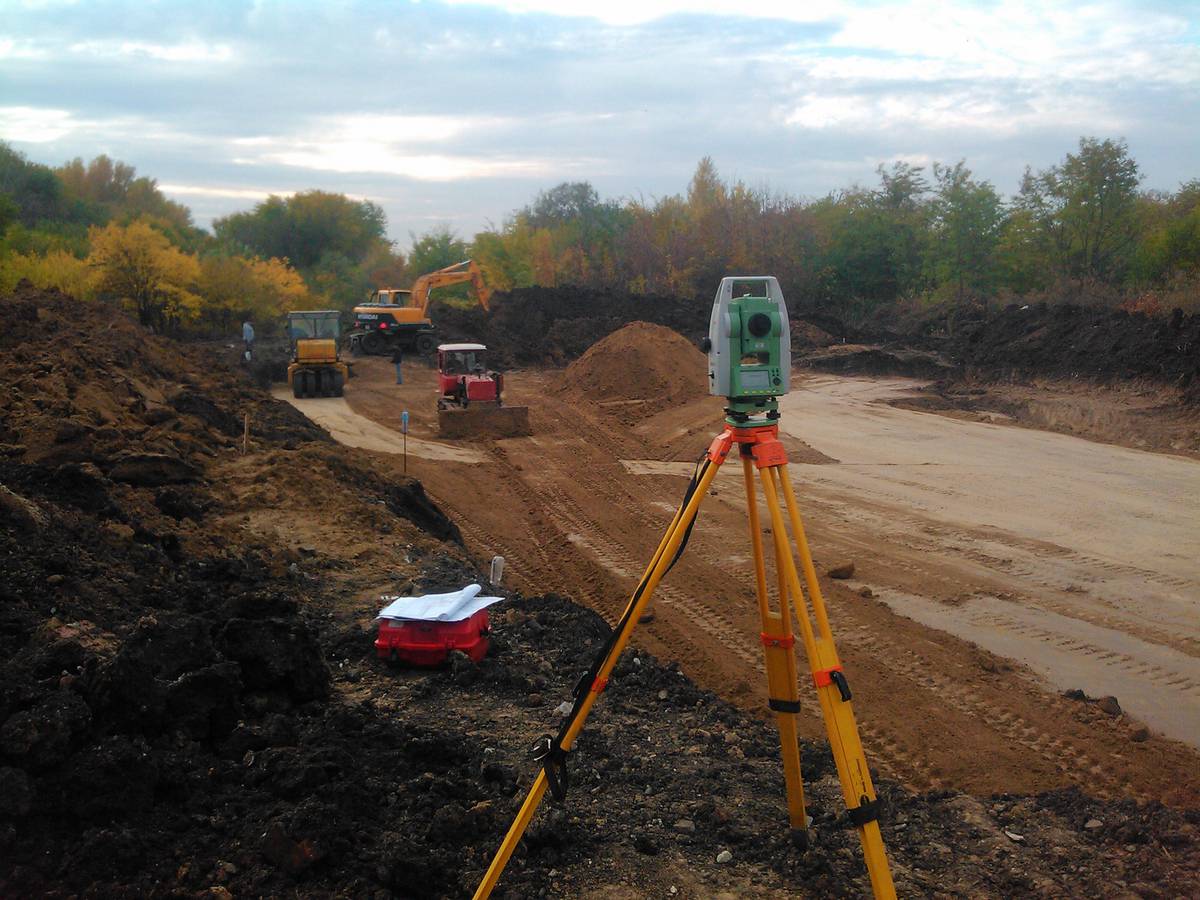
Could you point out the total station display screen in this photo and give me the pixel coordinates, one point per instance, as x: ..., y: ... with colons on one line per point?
x: 756, y: 381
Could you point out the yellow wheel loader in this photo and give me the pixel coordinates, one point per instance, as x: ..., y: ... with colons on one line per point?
x: 316, y: 369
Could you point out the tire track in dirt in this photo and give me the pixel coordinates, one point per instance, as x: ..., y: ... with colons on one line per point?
x: 1070, y: 760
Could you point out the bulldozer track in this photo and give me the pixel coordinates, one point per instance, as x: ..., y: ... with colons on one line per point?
x: 1072, y: 763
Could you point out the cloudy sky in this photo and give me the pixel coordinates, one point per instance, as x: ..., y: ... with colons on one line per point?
x: 458, y: 112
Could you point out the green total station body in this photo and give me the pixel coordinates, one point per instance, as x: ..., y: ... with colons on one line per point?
x: 749, y: 348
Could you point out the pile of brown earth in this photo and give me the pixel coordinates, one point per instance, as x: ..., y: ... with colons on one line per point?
x: 643, y: 364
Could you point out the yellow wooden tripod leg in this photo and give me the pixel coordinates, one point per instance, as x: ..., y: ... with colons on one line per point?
x: 783, y: 690
x: 832, y: 688
x: 662, y: 561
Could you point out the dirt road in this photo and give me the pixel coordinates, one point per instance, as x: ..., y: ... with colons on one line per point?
x: 1076, y: 558
x: 354, y: 430
x: 986, y: 548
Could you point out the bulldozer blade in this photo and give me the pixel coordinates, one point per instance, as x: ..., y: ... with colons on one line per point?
x: 484, y: 421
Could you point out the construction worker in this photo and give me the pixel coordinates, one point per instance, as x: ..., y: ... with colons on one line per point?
x: 248, y: 337
x: 398, y: 358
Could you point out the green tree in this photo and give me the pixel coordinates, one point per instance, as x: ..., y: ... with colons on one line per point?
x: 967, y: 219
x: 1085, y: 210
x: 34, y: 189
x: 305, y: 229
x: 435, y: 249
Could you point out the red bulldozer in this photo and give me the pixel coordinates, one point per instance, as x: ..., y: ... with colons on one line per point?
x: 469, y: 402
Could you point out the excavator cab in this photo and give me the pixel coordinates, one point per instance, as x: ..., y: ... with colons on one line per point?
x: 389, y: 297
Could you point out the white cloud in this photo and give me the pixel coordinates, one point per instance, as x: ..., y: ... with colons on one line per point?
x: 14, y: 49
x: 197, y: 190
x: 1026, y: 40
x: 958, y: 111
x: 32, y: 125
x: 394, y: 145
x: 638, y: 12
x: 365, y: 156
x: 187, y: 52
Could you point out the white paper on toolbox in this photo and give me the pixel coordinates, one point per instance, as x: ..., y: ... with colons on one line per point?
x: 452, y: 607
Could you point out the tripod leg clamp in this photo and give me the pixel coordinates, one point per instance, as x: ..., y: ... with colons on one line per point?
x: 866, y: 811
x: 784, y: 706
x: 833, y: 675
x: 553, y: 758
x: 587, y: 682
x: 778, y: 640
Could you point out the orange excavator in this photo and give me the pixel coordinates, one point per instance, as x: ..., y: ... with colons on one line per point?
x: 394, y: 317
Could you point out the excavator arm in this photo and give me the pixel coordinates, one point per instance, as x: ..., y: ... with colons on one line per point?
x: 467, y: 270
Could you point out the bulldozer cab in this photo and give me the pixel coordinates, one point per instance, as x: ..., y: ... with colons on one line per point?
x: 462, y: 360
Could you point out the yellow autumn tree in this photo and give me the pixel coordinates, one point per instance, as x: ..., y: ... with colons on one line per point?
x: 56, y: 269
x: 235, y: 288
x: 137, y: 265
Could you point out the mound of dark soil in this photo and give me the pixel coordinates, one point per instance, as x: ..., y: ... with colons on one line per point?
x: 870, y: 360
x: 150, y: 646
x: 540, y: 325
x: 641, y: 363
x: 1079, y: 341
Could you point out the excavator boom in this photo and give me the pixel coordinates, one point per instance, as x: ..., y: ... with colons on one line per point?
x: 467, y: 270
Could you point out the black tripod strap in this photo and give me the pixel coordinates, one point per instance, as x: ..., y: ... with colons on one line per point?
x: 554, y: 756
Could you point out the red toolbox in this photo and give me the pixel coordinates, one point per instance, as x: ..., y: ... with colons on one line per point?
x: 429, y: 643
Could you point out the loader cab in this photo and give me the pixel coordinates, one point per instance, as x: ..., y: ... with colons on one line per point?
x: 314, y: 335
x: 316, y: 368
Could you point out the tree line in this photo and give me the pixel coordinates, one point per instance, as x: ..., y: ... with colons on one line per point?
x: 98, y: 231
x: 1080, y: 230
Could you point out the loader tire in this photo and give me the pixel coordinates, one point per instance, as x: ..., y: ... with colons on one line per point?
x: 339, y: 384
x: 425, y: 344
x: 297, y: 385
x: 324, y: 385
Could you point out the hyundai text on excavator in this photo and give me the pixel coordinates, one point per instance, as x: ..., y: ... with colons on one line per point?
x: 316, y: 368
x: 394, y: 317
x: 469, y: 402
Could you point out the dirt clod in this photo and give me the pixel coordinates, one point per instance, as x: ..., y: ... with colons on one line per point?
x: 842, y: 570
x: 1109, y: 706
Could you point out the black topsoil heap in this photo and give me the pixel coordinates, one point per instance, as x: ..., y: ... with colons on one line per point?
x: 185, y: 711
x: 541, y: 325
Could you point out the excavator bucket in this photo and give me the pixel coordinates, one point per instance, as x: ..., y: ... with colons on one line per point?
x: 484, y: 420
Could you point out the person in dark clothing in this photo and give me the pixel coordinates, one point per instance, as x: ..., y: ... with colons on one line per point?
x: 398, y: 358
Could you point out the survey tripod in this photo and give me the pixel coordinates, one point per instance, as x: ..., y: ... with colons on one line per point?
x: 760, y: 449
